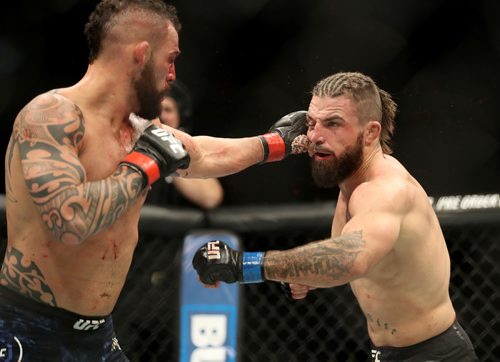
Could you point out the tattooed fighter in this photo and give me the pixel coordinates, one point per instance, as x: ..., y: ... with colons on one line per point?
x: 386, y: 240
x: 77, y: 174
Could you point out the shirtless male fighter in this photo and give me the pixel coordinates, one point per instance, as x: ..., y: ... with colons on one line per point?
x: 78, y: 168
x: 386, y: 240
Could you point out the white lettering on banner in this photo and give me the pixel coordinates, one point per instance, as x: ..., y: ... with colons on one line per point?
x: 479, y: 201
x: 208, y: 335
x: 448, y: 203
x: 211, y: 354
x: 466, y: 202
x: 2, y: 352
x: 213, y: 250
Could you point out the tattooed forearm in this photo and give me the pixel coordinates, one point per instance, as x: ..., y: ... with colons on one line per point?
x: 75, y: 213
x: 48, y: 134
x: 25, y: 277
x: 327, y: 262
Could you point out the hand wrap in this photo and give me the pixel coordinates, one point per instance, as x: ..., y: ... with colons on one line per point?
x: 157, y: 153
x: 279, y: 141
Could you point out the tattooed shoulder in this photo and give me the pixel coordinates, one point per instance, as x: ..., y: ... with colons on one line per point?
x: 351, y: 240
x: 50, y: 117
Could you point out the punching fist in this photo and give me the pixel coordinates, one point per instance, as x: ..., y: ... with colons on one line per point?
x: 295, y: 291
x: 288, y: 135
x: 157, y: 153
x: 216, y: 261
x: 285, y: 287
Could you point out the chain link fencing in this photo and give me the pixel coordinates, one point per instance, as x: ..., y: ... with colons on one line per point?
x: 328, y: 324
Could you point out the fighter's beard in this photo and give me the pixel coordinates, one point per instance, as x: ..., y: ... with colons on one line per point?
x: 149, y: 98
x: 332, y: 171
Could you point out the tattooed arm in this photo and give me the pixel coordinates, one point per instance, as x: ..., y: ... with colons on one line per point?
x: 376, y: 215
x: 48, y: 133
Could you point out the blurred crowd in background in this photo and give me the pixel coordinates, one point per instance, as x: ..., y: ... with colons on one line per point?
x: 247, y: 63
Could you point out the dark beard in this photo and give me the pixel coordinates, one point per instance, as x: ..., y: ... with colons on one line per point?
x: 149, y: 97
x: 331, y: 172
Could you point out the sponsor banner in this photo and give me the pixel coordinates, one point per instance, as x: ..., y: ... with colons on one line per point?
x: 209, y: 317
x: 465, y: 202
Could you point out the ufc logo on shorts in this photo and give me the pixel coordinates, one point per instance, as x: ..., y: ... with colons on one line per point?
x: 375, y: 355
x: 87, y: 324
x: 213, y: 250
x: 175, y: 144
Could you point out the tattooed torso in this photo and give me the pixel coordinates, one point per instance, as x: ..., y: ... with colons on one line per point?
x: 405, y: 296
x: 72, y: 212
x: 394, y: 258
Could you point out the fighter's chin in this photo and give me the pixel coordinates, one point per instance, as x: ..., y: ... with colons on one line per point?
x: 324, y: 183
x: 323, y: 173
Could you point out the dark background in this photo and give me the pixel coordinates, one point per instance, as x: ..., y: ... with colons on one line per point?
x: 247, y: 63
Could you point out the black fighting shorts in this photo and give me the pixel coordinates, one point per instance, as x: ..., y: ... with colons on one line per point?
x: 32, y: 331
x: 452, y: 345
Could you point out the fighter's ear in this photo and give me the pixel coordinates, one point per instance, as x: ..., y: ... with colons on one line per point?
x: 142, y: 52
x: 372, y: 131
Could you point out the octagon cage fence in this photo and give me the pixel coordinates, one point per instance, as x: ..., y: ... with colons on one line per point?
x: 326, y: 326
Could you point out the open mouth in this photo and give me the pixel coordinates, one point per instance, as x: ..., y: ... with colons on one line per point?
x: 322, y: 155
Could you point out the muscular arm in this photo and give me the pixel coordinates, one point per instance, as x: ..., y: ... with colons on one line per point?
x: 216, y: 157
x: 48, y: 133
x: 370, y: 234
x: 213, y: 157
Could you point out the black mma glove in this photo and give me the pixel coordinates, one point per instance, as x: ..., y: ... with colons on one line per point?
x: 285, y: 287
x: 157, y: 153
x: 277, y: 143
x: 216, y: 261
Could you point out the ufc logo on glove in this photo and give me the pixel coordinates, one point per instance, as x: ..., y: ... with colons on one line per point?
x: 168, y: 137
x: 208, y: 317
x: 213, y: 250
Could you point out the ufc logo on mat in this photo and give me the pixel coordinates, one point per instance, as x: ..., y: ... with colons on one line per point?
x: 213, y: 250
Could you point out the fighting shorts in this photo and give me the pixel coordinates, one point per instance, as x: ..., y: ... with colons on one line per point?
x: 452, y: 345
x: 32, y: 331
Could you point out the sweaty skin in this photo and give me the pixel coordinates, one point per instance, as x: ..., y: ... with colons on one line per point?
x: 46, y: 156
x: 72, y: 211
x: 386, y: 240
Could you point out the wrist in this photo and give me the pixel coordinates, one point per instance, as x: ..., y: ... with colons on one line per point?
x: 274, y: 147
x: 251, y: 267
x: 146, y: 165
